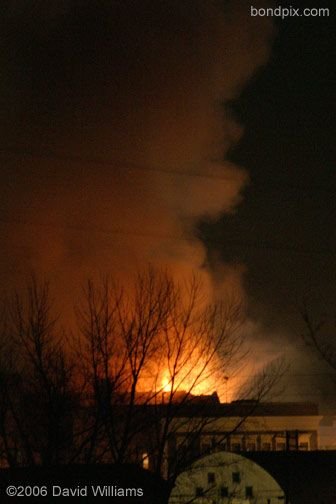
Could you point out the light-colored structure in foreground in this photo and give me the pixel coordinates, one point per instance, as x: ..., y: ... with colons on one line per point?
x: 245, y: 426
x: 226, y: 478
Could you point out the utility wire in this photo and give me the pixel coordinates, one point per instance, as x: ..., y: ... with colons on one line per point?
x: 111, y: 163
x: 258, y: 245
x: 7, y: 153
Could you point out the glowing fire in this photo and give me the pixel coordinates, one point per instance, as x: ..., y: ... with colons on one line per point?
x: 166, y: 383
x: 195, y: 378
x: 194, y: 373
x: 191, y: 380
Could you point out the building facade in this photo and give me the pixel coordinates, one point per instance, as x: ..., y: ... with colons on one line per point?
x: 241, y: 426
x: 226, y: 478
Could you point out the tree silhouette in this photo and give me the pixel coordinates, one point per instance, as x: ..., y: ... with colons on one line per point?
x: 138, y: 369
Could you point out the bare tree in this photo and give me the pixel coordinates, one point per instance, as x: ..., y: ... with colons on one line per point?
x: 41, y: 397
x: 147, y: 352
x: 8, y: 441
x: 102, y: 370
x: 132, y: 383
x: 319, y: 333
x: 119, y: 338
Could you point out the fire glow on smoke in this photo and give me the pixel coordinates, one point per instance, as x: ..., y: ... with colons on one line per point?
x: 129, y: 133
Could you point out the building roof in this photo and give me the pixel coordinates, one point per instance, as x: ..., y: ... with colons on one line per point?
x: 192, y: 408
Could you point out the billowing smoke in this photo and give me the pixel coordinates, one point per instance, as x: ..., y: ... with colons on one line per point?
x: 115, y: 132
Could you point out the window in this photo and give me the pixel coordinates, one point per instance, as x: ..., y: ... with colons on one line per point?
x: 266, y: 447
x: 235, y: 477
x: 205, y: 447
x: 303, y: 446
x: 250, y: 446
x: 211, y: 477
x: 281, y: 446
x: 248, y: 491
x: 235, y: 447
x: 224, y: 491
x: 145, y: 460
x: 199, y: 492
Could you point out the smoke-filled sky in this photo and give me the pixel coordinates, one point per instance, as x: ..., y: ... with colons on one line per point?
x: 136, y: 132
x: 284, y: 230
x: 121, y: 106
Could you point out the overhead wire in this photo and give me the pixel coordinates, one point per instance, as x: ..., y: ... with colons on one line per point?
x: 228, y: 243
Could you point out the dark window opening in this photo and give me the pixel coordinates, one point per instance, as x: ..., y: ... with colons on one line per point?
x: 224, y: 491
x: 251, y: 447
x: 248, y: 491
x: 206, y: 447
x: 211, y: 477
x: 235, y: 477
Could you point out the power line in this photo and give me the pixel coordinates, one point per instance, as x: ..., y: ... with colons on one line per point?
x: 112, y: 162
x: 258, y: 245
x: 253, y: 185
x: 80, y: 228
x: 278, y: 185
x: 141, y: 234
x: 289, y: 375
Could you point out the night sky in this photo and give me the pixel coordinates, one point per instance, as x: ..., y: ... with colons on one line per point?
x: 284, y: 231
x: 181, y: 133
